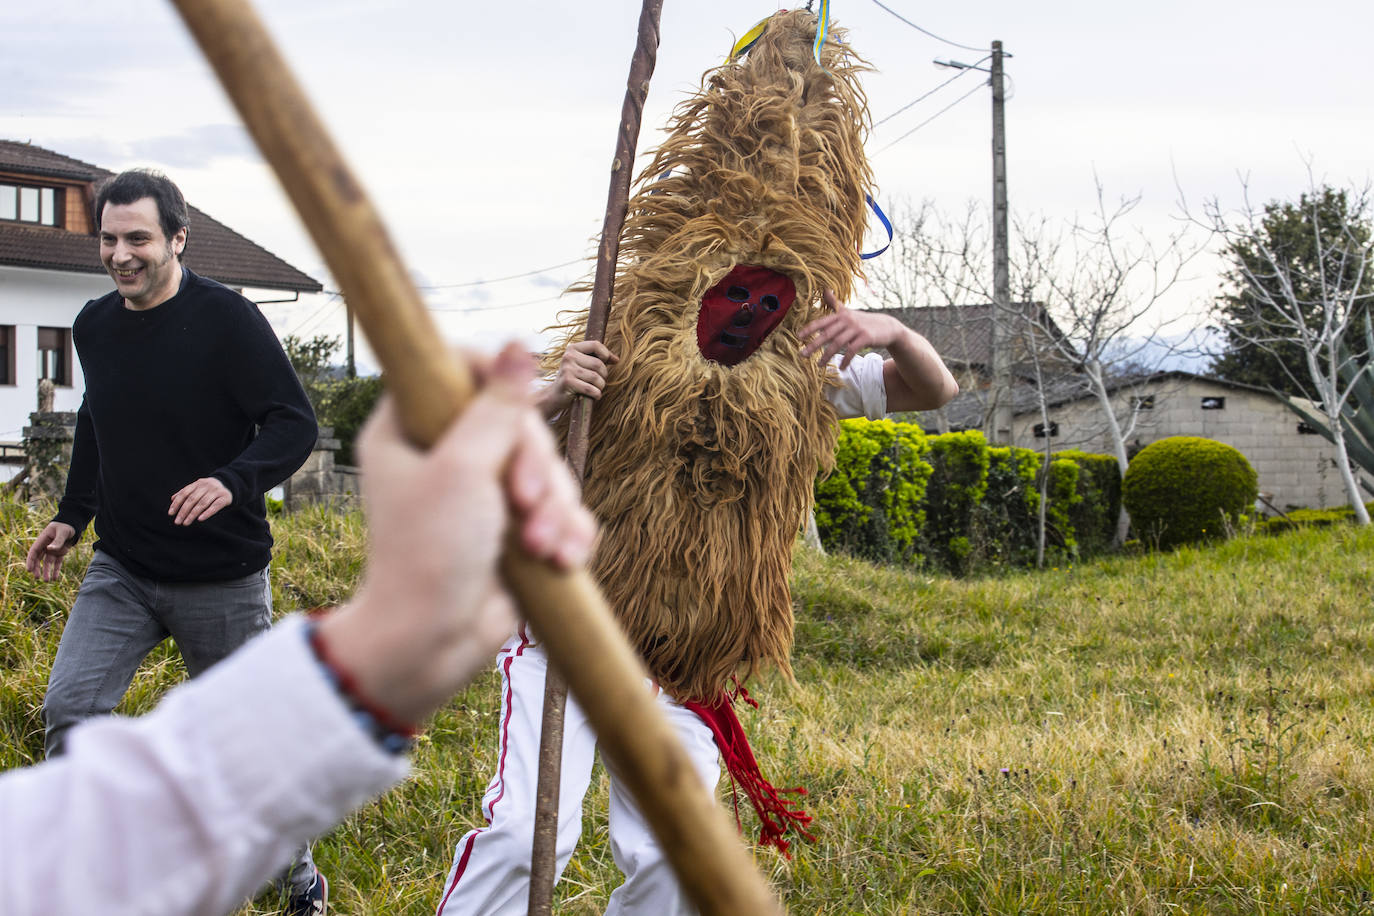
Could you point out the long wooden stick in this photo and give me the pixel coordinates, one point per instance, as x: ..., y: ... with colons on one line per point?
x: 431, y: 388
x: 544, y: 854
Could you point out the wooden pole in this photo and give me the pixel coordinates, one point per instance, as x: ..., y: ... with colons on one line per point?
x: 431, y: 388
x: 544, y: 854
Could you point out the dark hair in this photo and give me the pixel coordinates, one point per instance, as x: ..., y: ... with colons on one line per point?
x: 136, y: 184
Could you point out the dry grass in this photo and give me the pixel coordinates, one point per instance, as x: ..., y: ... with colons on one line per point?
x: 1181, y: 733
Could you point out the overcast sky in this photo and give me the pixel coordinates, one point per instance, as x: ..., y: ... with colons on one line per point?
x: 484, y: 131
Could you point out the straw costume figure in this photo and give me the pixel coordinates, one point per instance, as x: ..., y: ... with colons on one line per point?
x: 706, y: 441
x: 714, y: 416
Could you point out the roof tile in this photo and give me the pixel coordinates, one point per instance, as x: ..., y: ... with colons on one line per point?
x: 213, y: 249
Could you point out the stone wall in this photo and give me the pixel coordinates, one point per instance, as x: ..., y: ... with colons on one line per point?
x: 320, y: 479
x: 48, y: 453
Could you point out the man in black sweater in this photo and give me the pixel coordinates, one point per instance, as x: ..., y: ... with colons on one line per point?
x: 191, y: 413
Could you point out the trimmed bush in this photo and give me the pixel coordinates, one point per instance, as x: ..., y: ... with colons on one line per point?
x: 1005, y: 518
x: 873, y: 504
x: 1063, y: 495
x: 960, y: 462
x: 1185, y: 489
x: 950, y: 501
x: 1093, y: 514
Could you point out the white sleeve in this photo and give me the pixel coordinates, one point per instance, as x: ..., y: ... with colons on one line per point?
x: 862, y: 391
x: 193, y: 807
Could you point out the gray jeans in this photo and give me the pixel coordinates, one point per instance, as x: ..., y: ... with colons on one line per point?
x: 119, y: 617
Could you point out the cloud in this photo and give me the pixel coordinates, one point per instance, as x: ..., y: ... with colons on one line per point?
x: 198, y: 146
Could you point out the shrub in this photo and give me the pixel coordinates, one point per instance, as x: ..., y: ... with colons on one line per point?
x: 957, y: 484
x: 1094, y: 513
x: 872, y: 504
x: 350, y: 403
x: 1063, y: 495
x: 1185, y: 488
x: 1309, y: 518
x: 340, y: 402
x: 898, y: 496
x: 1007, y: 515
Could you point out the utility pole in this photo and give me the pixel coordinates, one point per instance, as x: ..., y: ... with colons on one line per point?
x: 999, y: 417
x: 350, y: 367
x: 997, y: 421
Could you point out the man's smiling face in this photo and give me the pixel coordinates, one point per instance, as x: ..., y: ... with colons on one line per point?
x: 138, y: 255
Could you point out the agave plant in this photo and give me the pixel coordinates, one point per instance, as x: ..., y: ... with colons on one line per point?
x: 1357, y: 413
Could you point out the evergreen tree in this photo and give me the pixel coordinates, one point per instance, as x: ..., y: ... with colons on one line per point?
x: 1300, y: 253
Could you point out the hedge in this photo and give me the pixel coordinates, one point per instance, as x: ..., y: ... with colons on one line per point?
x: 873, y: 504
x: 1093, y: 515
x: 958, y: 482
x: 952, y: 502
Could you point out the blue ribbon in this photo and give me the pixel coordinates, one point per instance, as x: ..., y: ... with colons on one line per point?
x: 887, y: 224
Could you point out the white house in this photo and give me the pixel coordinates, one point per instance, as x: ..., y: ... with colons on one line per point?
x: 50, y: 267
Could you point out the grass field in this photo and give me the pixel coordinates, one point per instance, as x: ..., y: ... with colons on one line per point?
x: 1180, y: 733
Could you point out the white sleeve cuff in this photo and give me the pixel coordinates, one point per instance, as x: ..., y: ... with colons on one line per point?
x: 862, y: 391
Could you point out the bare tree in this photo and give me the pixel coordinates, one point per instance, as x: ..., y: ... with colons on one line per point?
x: 1317, y: 303
x: 1090, y: 292
x: 1105, y: 284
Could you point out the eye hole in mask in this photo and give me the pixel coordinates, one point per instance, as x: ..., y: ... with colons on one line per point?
x: 739, y: 312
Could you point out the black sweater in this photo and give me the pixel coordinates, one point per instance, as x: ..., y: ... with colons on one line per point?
x: 196, y: 387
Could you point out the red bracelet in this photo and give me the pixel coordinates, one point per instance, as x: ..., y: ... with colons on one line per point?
x: 347, y: 686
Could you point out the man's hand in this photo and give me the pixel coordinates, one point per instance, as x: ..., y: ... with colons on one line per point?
x: 848, y: 332
x: 432, y: 606
x: 582, y: 370
x: 199, y: 500
x: 45, y: 556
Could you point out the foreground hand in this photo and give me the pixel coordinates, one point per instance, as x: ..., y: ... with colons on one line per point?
x: 199, y: 500
x: 582, y: 371
x: 848, y: 331
x: 44, y: 559
x: 432, y: 608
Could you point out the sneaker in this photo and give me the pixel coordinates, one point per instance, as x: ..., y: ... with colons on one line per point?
x: 313, y: 901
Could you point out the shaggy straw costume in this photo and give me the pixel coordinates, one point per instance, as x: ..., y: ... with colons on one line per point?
x: 701, y: 473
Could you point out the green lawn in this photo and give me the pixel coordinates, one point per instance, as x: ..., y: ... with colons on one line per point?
x: 1180, y: 733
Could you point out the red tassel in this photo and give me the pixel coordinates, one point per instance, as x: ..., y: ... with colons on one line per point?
x: 776, y: 814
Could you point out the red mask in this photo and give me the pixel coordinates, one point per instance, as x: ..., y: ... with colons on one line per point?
x: 740, y: 311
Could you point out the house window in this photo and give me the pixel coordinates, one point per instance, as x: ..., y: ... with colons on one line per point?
x: 55, y: 355
x: 1213, y: 403
x: 6, y: 354
x: 1306, y: 429
x: 30, y: 204
x: 1144, y: 402
x: 1039, y: 430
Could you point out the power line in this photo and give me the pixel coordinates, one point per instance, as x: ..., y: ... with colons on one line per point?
x: 327, y: 303
x: 323, y: 317
x: 931, y: 118
x: 927, y: 31
x: 495, y: 308
x: 927, y: 95
x: 528, y: 273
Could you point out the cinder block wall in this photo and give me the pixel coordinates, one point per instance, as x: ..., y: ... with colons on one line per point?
x: 1295, y: 469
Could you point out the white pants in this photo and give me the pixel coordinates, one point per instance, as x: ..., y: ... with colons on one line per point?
x: 491, y: 865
